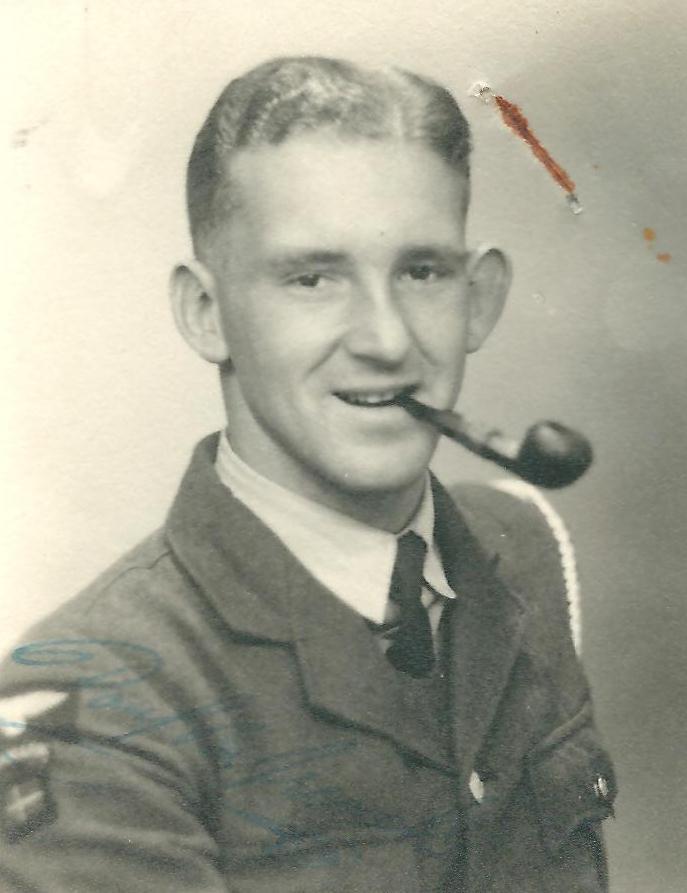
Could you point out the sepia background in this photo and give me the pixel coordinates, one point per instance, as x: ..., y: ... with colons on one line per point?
x: 103, y: 402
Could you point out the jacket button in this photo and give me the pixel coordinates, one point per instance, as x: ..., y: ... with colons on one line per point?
x: 476, y: 787
x: 601, y: 788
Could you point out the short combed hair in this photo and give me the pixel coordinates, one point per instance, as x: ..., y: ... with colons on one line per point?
x: 293, y: 95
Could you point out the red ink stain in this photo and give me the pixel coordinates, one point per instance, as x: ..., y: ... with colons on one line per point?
x: 650, y: 237
x: 518, y: 123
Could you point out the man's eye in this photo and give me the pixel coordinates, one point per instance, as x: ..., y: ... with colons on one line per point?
x: 307, y: 280
x: 423, y: 273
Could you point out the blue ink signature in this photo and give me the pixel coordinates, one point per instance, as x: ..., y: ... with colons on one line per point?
x: 304, y: 779
x: 68, y: 652
x: 114, y: 691
x: 302, y: 775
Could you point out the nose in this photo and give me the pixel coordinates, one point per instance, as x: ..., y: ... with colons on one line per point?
x: 378, y: 329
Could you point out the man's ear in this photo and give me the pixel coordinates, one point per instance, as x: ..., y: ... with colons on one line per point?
x: 196, y: 311
x: 489, y: 277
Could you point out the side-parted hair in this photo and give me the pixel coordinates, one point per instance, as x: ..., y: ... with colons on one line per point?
x: 293, y: 95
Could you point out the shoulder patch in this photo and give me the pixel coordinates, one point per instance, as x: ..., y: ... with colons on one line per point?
x: 16, y: 712
x: 527, y: 493
x: 26, y: 800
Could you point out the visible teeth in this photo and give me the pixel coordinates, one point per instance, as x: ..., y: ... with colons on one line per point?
x: 381, y: 398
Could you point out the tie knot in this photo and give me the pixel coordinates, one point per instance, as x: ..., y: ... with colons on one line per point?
x: 406, y: 579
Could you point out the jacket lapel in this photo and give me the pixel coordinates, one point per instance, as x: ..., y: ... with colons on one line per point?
x: 347, y: 677
x: 232, y: 557
x: 261, y: 591
x: 485, y: 634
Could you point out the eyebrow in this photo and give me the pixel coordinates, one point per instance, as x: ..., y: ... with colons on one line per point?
x: 285, y: 261
x: 421, y: 252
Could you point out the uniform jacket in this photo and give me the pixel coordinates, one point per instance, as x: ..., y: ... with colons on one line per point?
x: 207, y: 717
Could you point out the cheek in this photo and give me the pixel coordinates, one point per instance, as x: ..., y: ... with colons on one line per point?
x: 282, y: 340
x: 268, y: 356
x: 251, y: 333
x: 443, y: 340
x: 440, y: 316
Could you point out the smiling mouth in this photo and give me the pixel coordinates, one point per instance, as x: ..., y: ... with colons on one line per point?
x: 375, y: 399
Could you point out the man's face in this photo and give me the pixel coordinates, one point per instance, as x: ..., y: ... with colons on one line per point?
x: 341, y: 281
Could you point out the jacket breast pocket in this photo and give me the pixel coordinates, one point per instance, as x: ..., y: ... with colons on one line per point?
x: 573, y: 787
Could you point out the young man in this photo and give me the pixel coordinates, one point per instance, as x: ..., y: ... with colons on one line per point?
x: 324, y: 673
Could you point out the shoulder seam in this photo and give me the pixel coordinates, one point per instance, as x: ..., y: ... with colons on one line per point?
x: 164, y: 552
x: 527, y: 493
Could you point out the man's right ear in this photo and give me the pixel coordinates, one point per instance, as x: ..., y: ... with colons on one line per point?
x: 196, y: 311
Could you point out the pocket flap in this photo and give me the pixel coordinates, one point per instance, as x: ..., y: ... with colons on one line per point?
x: 573, y: 784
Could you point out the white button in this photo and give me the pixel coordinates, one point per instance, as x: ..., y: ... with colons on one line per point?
x: 476, y: 787
x: 601, y: 788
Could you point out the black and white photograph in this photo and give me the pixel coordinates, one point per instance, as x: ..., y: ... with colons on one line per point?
x: 344, y: 485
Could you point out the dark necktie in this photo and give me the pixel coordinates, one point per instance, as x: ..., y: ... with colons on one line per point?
x: 411, y: 650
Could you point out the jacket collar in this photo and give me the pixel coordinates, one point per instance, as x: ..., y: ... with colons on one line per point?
x: 230, y: 555
x: 263, y: 592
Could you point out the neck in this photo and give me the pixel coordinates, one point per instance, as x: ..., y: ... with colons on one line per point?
x: 386, y: 510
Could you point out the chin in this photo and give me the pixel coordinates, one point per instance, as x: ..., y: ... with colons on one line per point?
x: 383, y: 475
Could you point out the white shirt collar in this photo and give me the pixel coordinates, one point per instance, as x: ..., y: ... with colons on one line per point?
x: 350, y: 558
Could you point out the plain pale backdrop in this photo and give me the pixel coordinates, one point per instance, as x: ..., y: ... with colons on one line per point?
x: 103, y: 402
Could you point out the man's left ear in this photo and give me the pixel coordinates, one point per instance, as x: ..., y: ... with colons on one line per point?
x: 489, y: 277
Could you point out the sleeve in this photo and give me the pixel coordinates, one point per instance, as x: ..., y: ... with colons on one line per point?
x: 85, y: 805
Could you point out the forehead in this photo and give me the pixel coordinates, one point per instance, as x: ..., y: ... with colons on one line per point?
x: 341, y: 189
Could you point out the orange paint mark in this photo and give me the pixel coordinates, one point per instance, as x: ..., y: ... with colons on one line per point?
x: 664, y: 256
x: 514, y: 118
x: 649, y: 234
